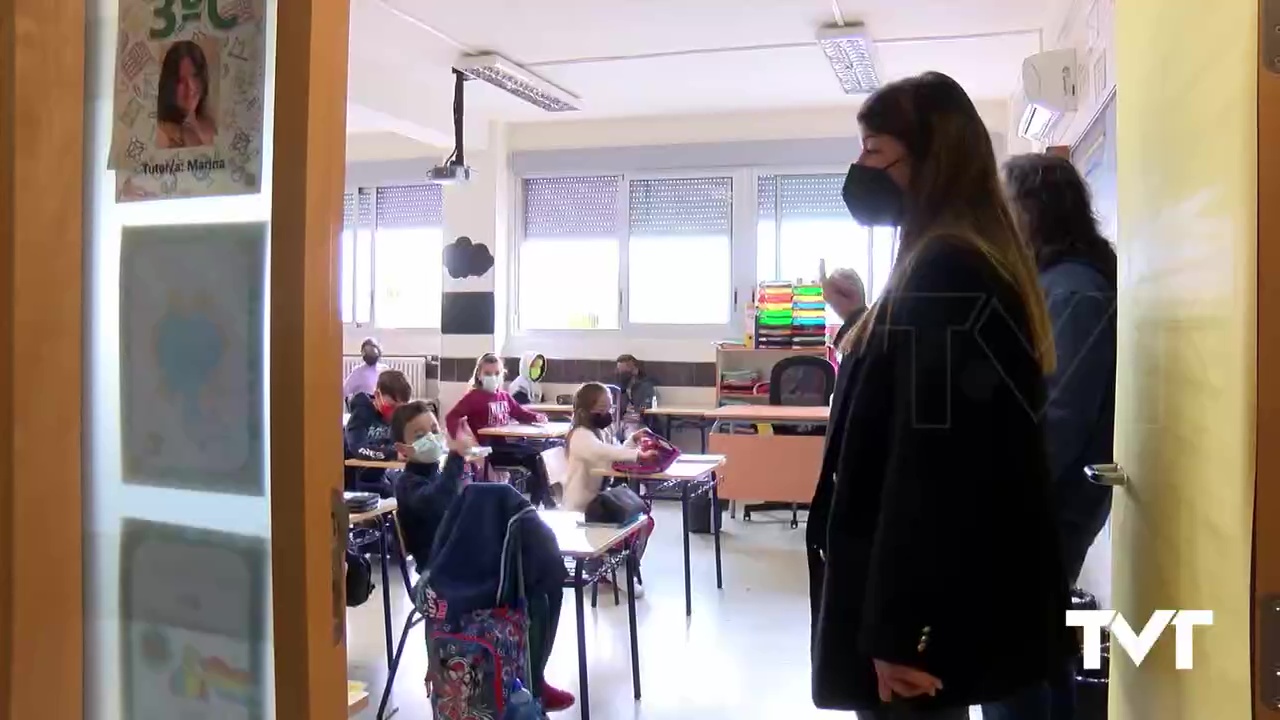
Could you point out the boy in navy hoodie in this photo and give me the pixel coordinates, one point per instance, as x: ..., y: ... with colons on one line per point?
x: 428, y: 499
x: 368, y: 431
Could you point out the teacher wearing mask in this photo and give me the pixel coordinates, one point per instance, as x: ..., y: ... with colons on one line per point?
x: 364, y: 378
x: 934, y: 561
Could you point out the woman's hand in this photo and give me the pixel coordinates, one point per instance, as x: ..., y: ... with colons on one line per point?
x: 539, y: 419
x: 903, y: 681
x: 647, y: 455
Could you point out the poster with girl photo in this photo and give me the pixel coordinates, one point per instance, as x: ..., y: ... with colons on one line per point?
x: 188, y: 100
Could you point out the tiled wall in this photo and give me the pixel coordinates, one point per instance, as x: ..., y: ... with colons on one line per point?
x: 572, y: 371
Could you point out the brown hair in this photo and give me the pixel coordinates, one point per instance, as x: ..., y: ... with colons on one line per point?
x: 404, y: 415
x: 481, y: 361
x: 954, y: 192
x: 393, y: 385
x: 584, y: 402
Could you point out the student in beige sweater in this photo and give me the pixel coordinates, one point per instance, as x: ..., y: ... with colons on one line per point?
x: 590, y: 447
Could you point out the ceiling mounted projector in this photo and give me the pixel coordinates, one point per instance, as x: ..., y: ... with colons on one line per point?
x: 455, y: 169
x: 520, y: 82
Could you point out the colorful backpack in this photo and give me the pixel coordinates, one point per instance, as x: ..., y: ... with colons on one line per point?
x: 475, y: 658
x: 667, y: 454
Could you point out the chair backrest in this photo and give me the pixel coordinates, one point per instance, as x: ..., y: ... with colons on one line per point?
x: 802, y: 380
x: 556, y: 462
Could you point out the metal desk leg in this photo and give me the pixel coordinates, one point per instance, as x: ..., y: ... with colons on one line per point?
x: 715, y: 527
x: 584, y: 695
x: 386, y: 589
x: 702, y: 435
x: 684, y: 519
x: 631, y: 619
x: 404, y: 561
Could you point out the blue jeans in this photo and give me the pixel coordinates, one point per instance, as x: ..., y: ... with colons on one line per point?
x: 1032, y: 703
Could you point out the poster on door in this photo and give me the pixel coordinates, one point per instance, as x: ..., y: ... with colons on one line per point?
x: 194, y: 623
x: 190, y: 79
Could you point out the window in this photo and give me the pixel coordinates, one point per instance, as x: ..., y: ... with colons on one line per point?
x: 569, y: 258
x: 678, y: 251
x: 408, y: 252
x: 679, y: 254
x: 802, y: 220
x: 391, y: 254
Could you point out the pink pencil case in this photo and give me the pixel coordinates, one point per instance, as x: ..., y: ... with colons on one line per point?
x: 667, y: 454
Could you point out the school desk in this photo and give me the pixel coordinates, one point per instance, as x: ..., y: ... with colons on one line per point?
x: 545, y: 431
x: 694, y: 475
x: 670, y: 417
x: 603, y: 549
x: 765, y: 466
x: 550, y: 408
x: 384, y: 518
x: 377, y: 464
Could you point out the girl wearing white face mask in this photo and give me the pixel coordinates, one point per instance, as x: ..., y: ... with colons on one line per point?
x: 488, y: 405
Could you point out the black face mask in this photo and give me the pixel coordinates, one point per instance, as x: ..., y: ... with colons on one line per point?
x: 371, y: 358
x: 873, y: 198
x: 601, y: 421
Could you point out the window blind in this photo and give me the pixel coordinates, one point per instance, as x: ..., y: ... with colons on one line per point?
x: 410, y: 206
x: 682, y: 206
x: 567, y: 207
x: 348, y: 210
x: 801, y: 196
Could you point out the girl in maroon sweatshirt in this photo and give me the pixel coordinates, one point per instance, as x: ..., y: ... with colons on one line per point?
x: 486, y: 404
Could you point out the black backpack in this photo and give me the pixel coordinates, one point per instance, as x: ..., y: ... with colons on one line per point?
x: 359, y: 579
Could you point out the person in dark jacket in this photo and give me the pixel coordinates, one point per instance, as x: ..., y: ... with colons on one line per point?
x: 935, y: 572
x: 425, y: 490
x: 639, y: 392
x: 1078, y: 274
x: 367, y: 435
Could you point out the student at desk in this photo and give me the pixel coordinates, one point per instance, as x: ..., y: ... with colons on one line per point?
x: 488, y: 405
x: 589, y: 447
x: 368, y: 432
x: 426, y: 493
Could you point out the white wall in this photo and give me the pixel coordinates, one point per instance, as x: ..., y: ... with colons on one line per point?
x: 565, y: 135
x: 1087, y: 26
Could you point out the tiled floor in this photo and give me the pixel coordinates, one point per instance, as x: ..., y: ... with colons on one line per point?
x: 743, y: 655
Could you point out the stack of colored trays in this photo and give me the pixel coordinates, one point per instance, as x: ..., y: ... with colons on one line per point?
x: 808, y: 317
x: 774, y: 315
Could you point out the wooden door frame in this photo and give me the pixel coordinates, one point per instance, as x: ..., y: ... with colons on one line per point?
x: 1266, y: 503
x: 41, y: 358
x: 306, y: 359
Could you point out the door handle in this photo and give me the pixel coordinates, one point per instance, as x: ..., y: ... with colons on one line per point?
x: 1111, y: 475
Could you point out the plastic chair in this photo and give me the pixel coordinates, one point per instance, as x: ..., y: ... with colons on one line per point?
x: 806, y: 381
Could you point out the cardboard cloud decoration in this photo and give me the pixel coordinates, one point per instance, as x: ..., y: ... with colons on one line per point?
x: 463, y: 258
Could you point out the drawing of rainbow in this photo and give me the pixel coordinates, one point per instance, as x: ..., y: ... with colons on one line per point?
x: 198, y: 676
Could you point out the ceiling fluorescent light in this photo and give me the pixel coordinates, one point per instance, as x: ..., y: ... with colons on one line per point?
x: 849, y: 51
x: 502, y: 73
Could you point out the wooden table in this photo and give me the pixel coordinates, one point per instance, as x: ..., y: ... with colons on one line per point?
x: 689, y: 472
x: 550, y: 408
x: 376, y: 464
x: 765, y: 465
x: 696, y: 417
x: 788, y: 414
x: 581, y: 544
x: 545, y: 431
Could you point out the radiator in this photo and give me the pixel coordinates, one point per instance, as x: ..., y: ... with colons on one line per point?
x: 414, y: 368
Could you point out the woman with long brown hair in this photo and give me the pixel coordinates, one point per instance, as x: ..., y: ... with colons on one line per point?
x: 936, y: 578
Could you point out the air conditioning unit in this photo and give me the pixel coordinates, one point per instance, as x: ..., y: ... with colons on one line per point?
x: 1047, y: 94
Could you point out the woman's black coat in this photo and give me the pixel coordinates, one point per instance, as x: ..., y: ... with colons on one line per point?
x: 931, y: 538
